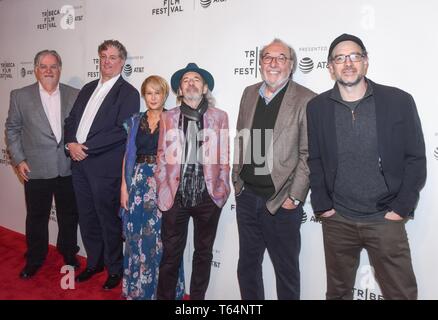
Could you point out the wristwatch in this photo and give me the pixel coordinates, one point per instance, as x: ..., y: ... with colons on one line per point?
x: 296, y: 201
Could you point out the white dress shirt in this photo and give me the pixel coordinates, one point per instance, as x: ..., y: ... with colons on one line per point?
x: 92, y: 108
x: 52, y: 108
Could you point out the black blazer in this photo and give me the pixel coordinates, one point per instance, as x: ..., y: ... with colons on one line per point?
x: 400, y: 146
x: 107, y: 137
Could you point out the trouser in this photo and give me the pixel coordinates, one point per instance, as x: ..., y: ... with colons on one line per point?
x: 39, y: 195
x: 279, y: 234
x: 388, y: 249
x: 98, y: 200
x: 174, y: 236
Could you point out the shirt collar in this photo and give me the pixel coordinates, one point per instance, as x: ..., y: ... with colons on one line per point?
x: 110, y: 82
x: 263, y: 89
x: 44, y: 91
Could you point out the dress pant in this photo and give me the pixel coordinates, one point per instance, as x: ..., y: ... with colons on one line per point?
x: 39, y: 195
x: 388, y: 249
x: 279, y: 234
x: 174, y: 237
x: 98, y: 200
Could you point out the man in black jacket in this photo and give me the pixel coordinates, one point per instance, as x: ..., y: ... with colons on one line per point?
x: 367, y: 165
x: 95, y: 139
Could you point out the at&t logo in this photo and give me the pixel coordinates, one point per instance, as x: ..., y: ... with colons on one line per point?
x: 205, y: 3
x: 306, y: 65
x: 127, y: 69
x: 26, y: 69
x: 133, y: 65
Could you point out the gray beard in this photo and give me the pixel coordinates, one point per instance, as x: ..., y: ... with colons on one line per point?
x: 349, y: 84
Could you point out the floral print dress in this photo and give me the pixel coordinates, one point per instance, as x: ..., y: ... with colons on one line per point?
x: 142, y: 232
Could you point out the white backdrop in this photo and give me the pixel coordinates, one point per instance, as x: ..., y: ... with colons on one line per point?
x: 224, y: 37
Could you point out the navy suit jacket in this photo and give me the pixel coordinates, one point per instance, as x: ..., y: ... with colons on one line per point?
x: 400, y: 146
x: 107, y: 137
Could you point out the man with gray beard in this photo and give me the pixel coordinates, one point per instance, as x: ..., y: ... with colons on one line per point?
x: 270, y: 174
x: 192, y: 178
x: 367, y: 165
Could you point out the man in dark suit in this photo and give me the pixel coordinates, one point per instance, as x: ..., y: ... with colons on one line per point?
x: 95, y: 139
x: 270, y: 174
x: 34, y: 134
x: 367, y: 165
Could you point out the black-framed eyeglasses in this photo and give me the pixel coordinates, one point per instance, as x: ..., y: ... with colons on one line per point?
x: 281, y: 59
x: 354, y: 57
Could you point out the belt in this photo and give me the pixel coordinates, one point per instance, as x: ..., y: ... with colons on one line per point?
x: 142, y: 158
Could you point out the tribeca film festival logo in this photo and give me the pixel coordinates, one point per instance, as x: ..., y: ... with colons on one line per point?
x: 319, y: 61
x: 168, y: 7
x: 66, y: 17
x: 7, y: 69
x: 367, y: 285
x: 5, y: 159
x: 249, y: 66
x: 206, y: 3
x: 94, y: 72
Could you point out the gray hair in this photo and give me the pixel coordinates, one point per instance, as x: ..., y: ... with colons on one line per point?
x: 115, y: 44
x: 292, y: 53
x: 210, y: 99
x: 43, y: 53
x: 208, y: 96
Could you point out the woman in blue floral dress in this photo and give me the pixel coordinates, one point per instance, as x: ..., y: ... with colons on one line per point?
x: 141, y: 217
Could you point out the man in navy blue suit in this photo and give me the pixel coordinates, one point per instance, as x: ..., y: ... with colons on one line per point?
x: 95, y: 140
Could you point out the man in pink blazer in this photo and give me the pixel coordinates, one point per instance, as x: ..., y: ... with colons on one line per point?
x: 192, y: 178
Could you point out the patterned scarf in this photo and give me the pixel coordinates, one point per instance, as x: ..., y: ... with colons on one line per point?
x: 192, y: 185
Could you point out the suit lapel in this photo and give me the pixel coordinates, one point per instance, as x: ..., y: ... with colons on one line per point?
x: 63, y: 94
x: 108, y: 101
x: 286, y: 109
x: 251, y: 105
x: 84, y: 100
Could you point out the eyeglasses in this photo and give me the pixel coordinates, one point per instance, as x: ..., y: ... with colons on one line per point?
x: 110, y: 58
x: 354, y: 57
x: 281, y: 59
x: 44, y: 67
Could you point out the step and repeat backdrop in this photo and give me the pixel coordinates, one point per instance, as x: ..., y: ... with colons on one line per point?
x: 225, y: 36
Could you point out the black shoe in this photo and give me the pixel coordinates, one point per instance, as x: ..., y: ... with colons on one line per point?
x: 87, y: 274
x: 72, y: 261
x: 112, y: 281
x: 28, y: 271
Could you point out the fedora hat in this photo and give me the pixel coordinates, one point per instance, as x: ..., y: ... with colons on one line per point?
x: 191, y: 67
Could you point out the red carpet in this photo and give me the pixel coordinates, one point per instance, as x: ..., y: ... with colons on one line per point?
x: 46, y: 284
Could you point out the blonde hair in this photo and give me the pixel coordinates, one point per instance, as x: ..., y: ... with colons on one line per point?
x: 158, y: 83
